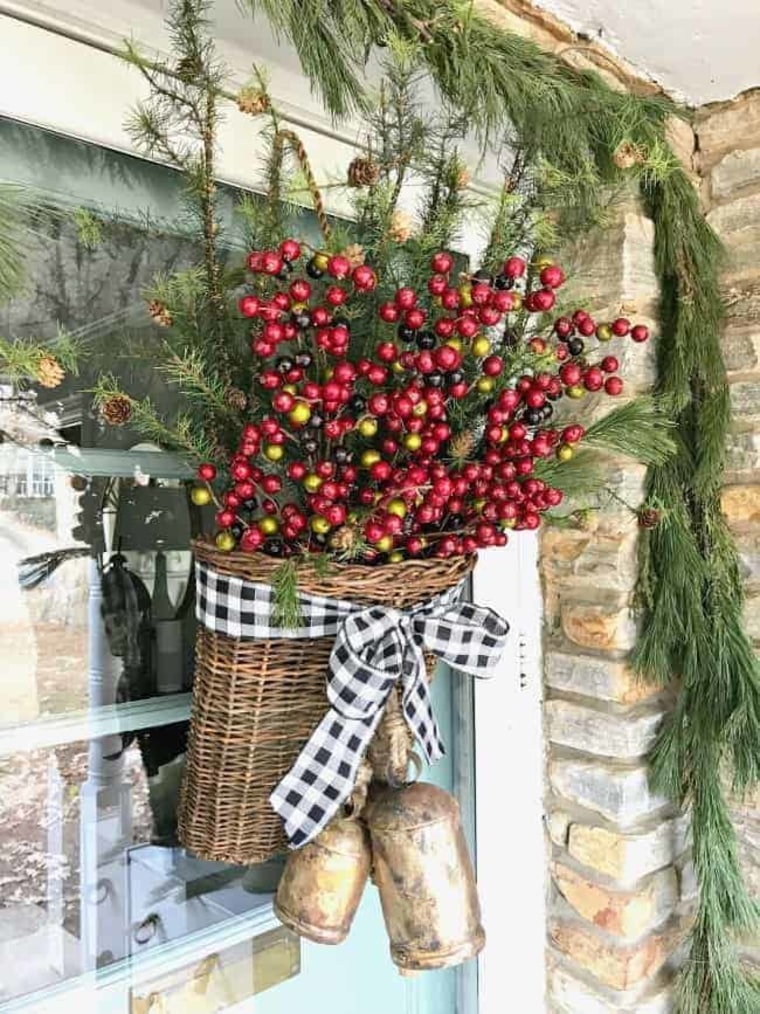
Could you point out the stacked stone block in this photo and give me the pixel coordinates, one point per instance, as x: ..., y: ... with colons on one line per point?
x: 619, y: 877
x: 729, y: 164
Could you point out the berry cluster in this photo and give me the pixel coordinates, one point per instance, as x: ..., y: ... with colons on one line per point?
x: 397, y: 423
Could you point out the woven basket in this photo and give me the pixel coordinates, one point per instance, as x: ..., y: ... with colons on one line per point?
x: 255, y: 703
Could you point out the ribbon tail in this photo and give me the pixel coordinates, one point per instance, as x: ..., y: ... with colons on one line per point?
x: 418, y: 707
x: 323, y: 776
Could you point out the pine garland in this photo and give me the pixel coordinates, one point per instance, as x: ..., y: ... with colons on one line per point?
x: 690, y: 585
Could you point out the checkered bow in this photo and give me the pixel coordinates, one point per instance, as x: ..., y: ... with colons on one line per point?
x: 375, y: 648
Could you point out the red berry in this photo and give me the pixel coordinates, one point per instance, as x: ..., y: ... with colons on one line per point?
x: 441, y: 262
x: 388, y: 312
x: 320, y: 316
x: 563, y: 327
x: 450, y: 299
x: 249, y: 306
x: 378, y: 404
x: 543, y: 300
x: 297, y: 470
x: 609, y: 364
x: 467, y: 327
x: 458, y: 390
x: 283, y: 401
x: 447, y: 357
x: 502, y: 300
x: 405, y: 298
x: 552, y: 276
x: 207, y: 472
x: 344, y: 372
x: 339, y: 266
x: 613, y: 386
x: 489, y: 315
x: 254, y: 261
x: 480, y: 293
x: 492, y: 366
x: 377, y: 374
x: 290, y: 250
x: 535, y: 398
x: 586, y: 327
x: 414, y: 318
x: 251, y: 540
x: 271, y: 262
x: 271, y: 484
x: 414, y: 545
x: 444, y: 327
x: 593, y: 379
x: 336, y: 296
x: 570, y: 374
x: 386, y: 352
x: 373, y: 530
x: 300, y: 290
x: 225, y: 518
x: 639, y: 333
x: 364, y: 278
x: 514, y: 267
x: 620, y: 327
x: 572, y: 434
x: 437, y: 284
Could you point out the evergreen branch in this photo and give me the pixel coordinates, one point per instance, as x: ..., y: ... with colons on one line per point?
x: 638, y: 429
x: 582, y: 475
x: 287, y: 605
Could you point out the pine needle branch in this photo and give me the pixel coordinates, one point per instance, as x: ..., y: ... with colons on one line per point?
x: 638, y: 429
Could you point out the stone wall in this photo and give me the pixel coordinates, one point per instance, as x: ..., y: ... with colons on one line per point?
x: 729, y: 164
x: 619, y: 879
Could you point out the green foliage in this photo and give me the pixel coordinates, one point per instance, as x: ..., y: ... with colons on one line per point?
x: 20, y: 357
x: 638, y: 430
x: 287, y: 605
x: 12, y: 208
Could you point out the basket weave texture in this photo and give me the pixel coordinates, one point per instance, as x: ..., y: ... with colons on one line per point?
x: 256, y: 702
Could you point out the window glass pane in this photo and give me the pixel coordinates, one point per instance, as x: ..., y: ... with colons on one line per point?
x: 88, y: 874
x: 91, y: 872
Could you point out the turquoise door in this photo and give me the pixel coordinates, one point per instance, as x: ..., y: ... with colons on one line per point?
x: 100, y: 907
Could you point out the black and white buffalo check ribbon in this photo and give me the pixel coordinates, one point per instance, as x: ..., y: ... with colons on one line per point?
x: 375, y: 648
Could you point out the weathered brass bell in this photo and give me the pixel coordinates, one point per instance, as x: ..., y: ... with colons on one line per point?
x: 425, y: 877
x: 322, y: 883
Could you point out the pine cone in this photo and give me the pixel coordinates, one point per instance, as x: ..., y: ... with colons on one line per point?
x: 160, y: 313
x: 236, y: 399
x: 50, y: 373
x: 354, y: 254
x: 345, y: 539
x: 463, y: 178
x: 649, y: 517
x: 400, y: 228
x: 252, y: 101
x: 363, y: 172
x: 189, y: 68
x: 116, y: 410
x: 627, y: 155
x: 461, y: 445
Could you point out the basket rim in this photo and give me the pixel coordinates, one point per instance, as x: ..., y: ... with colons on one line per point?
x: 346, y: 580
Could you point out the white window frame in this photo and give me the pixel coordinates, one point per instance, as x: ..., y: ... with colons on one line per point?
x: 85, y: 92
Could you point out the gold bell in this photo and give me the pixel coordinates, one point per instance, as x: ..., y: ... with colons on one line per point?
x: 425, y: 877
x: 322, y: 883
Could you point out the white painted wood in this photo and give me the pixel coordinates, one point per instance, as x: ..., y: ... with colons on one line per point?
x: 509, y: 779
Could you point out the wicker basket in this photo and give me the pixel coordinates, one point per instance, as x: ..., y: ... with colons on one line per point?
x: 255, y: 703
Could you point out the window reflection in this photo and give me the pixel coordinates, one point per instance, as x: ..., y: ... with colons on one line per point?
x: 90, y: 872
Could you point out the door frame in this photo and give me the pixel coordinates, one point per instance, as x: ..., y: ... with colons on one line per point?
x: 75, y: 42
